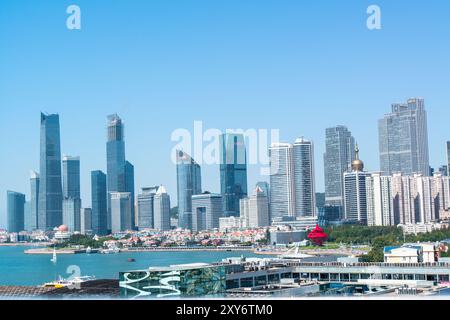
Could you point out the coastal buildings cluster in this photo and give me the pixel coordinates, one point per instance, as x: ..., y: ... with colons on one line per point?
x: 405, y: 191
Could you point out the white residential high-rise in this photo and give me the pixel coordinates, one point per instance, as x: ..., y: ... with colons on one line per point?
x: 379, y: 200
x: 258, y: 209
x: 292, y: 185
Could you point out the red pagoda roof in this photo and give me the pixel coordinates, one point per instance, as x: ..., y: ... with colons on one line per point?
x: 317, y: 233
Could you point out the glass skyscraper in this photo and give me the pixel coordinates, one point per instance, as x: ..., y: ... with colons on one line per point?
x: 233, y: 172
x: 71, y: 177
x: 50, y: 184
x: 115, y: 154
x: 120, y: 211
x: 129, y: 187
x: 71, y: 193
x: 34, y: 202
x: 99, y: 206
x: 403, y: 139
x: 338, y: 156
x: 15, y: 211
x: 188, y: 184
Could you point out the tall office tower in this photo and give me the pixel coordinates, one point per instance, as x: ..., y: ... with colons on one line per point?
x: 448, y: 157
x: 258, y: 209
x: 71, y: 193
x: 207, y: 209
x: 145, y: 208
x: 34, y: 200
x: 304, y: 184
x: 15, y: 211
x: 50, y: 184
x: 27, y: 216
x: 379, y: 200
x: 339, y: 154
x: 115, y: 158
x: 233, y: 172
x: 188, y: 184
x: 281, y: 180
x: 355, y: 195
x: 71, y: 177
x: 120, y: 207
x: 443, y: 170
x: 129, y: 187
x: 161, y: 210
x: 86, y: 221
x: 99, y: 218
x: 72, y: 214
x: 403, y: 139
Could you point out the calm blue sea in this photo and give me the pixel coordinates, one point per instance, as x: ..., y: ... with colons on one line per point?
x: 17, y: 268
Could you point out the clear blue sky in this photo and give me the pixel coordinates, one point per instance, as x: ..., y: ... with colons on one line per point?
x: 299, y: 66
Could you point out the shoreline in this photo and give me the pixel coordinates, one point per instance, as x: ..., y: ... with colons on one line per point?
x: 25, y: 244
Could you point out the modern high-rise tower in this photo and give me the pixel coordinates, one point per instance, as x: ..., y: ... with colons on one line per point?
x: 233, y: 172
x: 71, y: 193
x: 188, y: 184
x: 16, y: 211
x: 304, y: 183
x: 115, y: 159
x: 403, y: 139
x: 129, y: 187
x: 99, y: 203
x: 339, y: 154
x: 50, y: 187
x: 448, y: 158
x: 34, y: 202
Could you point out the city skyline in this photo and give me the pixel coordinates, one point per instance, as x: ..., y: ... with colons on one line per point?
x: 332, y: 71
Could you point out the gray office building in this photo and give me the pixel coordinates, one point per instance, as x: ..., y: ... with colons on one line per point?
x: 72, y: 214
x: 207, y: 209
x: 129, y: 187
x: 403, y: 139
x: 338, y: 157
x: 145, y: 208
x: 448, y: 158
x: 86, y: 221
x: 120, y: 211
x: 188, y: 183
x: 34, y: 201
x: 161, y: 207
x: 50, y: 184
x: 15, y: 211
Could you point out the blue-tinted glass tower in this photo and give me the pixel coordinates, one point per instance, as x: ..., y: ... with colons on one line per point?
x: 71, y: 177
x: 233, y: 172
x: 188, y: 184
x: 99, y: 206
x: 129, y: 187
x: 16, y: 211
x: 115, y: 154
x: 50, y: 187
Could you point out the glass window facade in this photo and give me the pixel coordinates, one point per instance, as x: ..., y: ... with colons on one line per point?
x: 181, y: 282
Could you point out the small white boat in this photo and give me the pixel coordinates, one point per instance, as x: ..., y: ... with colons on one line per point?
x: 54, y: 259
x: 88, y: 250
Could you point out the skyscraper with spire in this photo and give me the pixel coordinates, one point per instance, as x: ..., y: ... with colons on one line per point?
x: 355, y: 196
